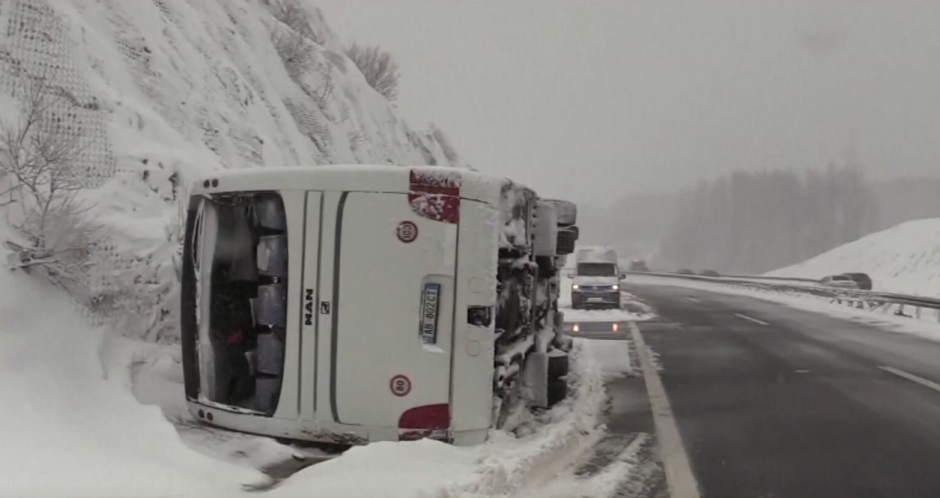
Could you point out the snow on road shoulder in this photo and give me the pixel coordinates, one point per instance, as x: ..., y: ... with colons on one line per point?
x: 613, y: 358
x: 809, y: 302
x: 503, y: 466
x: 65, y: 414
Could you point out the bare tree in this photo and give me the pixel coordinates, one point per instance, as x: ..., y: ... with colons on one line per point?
x: 324, y: 92
x: 297, y: 18
x: 296, y: 51
x: 42, y: 186
x: 378, y: 67
x: 449, y: 151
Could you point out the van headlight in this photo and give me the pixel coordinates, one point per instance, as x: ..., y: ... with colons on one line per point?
x: 615, y: 287
x: 575, y: 287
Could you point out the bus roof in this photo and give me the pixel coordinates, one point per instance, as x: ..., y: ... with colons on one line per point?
x: 469, y: 184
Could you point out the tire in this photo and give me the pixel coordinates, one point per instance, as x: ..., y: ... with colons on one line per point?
x: 557, y: 391
x: 557, y: 367
x: 566, y: 240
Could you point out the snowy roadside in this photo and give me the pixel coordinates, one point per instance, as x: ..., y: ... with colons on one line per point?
x: 76, y: 413
x: 540, y: 460
x: 504, y: 466
x: 70, y: 425
x: 808, y: 302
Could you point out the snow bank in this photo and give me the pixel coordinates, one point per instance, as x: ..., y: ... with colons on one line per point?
x: 503, y: 466
x: 71, y: 427
x: 613, y: 357
x: 904, y: 259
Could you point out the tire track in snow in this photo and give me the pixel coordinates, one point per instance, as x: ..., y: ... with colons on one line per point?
x: 616, y: 465
x: 572, y: 430
x: 621, y: 466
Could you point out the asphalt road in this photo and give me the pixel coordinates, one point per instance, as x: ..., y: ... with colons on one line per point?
x: 773, y: 402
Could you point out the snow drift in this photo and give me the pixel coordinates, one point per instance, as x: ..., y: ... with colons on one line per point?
x: 65, y: 413
x: 904, y: 259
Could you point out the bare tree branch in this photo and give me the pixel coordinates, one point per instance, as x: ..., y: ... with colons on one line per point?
x: 297, y: 18
x: 38, y: 155
x: 378, y: 67
x: 297, y: 52
x: 450, y: 153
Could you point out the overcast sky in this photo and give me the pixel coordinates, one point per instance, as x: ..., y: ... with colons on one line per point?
x: 589, y: 98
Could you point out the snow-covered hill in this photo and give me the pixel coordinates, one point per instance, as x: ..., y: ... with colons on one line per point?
x: 160, y: 90
x: 68, y: 411
x: 905, y: 258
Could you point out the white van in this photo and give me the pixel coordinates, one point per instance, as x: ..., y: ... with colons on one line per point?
x: 596, y: 279
x: 347, y: 304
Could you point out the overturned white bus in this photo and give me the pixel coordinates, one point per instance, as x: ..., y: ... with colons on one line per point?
x: 349, y: 304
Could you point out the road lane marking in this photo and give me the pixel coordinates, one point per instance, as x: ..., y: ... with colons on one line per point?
x: 679, y: 476
x: 694, y: 300
x: 920, y: 380
x: 751, y: 319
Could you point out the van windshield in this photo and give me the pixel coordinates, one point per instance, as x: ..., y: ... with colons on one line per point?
x: 597, y: 270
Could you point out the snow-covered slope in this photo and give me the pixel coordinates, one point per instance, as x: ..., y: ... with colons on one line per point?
x: 905, y: 258
x: 67, y: 414
x: 161, y: 90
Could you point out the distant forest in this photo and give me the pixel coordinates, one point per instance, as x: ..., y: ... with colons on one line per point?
x: 754, y: 222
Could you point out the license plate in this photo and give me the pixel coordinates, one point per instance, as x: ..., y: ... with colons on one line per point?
x: 596, y: 300
x: 430, y: 306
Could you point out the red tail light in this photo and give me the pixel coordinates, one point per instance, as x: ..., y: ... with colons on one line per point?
x: 428, y: 417
x: 430, y: 421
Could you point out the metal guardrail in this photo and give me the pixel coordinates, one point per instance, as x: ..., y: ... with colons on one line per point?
x: 854, y: 297
x: 793, y: 279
